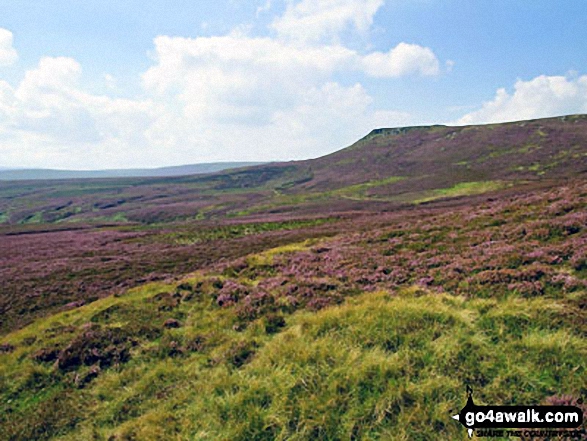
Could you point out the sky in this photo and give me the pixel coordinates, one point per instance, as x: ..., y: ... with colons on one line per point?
x: 111, y: 84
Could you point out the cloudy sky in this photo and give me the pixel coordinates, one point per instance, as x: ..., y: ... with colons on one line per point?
x: 118, y: 84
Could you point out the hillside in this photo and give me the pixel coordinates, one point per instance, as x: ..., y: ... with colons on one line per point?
x: 415, y: 163
x: 388, y: 168
x: 110, y: 234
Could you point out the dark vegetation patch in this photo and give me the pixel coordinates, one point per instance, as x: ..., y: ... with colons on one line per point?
x: 5, y: 348
x: 236, y: 230
x: 97, y: 346
x: 240, y: 353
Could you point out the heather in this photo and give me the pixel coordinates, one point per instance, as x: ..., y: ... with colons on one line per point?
x: 352, y: 296
x: 45, y: 270
x: 368, y: 328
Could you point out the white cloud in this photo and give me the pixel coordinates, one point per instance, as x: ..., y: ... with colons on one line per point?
x: 324, y: 20
x: 8, y: 55
x: 237, y: 78
x: 232, y: 69
x: 404, y: 59
x: 275, y: 100
x: 49, y: 118
x: 232, y: 97
x: 259, y: 90
x: 540, y: 97
x: 56, y: 77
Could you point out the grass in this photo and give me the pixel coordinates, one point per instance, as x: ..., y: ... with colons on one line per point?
x: 380, y: 365
x: 266, y: 257
x: 280, y: 200
x: 359, y: 191
x: 463, y: 189
x: 35, y: 218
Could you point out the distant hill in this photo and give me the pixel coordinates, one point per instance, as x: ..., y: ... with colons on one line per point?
x: 7, y: 174
x: 410, y: 161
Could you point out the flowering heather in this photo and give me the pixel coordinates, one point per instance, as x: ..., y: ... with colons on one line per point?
x: 399, y: 308
x: 470, y: 251
x: 300, y: 301
x: 44, y: 269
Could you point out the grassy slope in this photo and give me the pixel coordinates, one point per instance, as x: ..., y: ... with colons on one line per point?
x: 408, y: 311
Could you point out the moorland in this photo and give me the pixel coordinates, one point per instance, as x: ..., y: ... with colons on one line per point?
x: 351, y: 296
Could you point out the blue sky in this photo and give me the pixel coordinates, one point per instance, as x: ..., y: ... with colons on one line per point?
x: 138, y: 84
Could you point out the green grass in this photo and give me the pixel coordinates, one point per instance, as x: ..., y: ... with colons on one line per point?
x: 379, y: 366
x: 266, y: 258
x: 528, y: 148
x: 36, y: 218
x: 498, y: 152
x: 463, y: 189
x: 359, y: 191
x: 117, y: 217
x: 282, y: 200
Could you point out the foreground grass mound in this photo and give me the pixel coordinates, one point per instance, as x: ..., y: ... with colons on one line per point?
x: 392, y: 368
x: 378, y: 366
